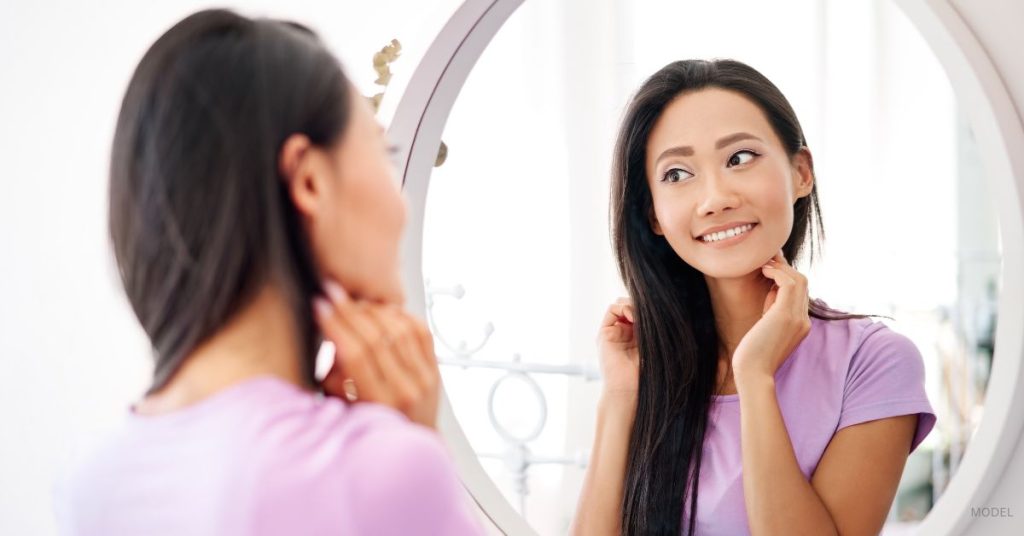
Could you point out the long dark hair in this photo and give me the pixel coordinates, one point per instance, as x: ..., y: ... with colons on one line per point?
x: 200, y: 219
x: 675, y: 327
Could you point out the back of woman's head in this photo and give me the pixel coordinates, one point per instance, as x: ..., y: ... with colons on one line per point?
x: 199, y: 215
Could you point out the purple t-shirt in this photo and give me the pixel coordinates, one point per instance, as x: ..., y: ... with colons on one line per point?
x: 265, y: 457
x: 843, y: 373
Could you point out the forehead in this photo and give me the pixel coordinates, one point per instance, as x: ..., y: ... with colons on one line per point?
x: 700, y: 118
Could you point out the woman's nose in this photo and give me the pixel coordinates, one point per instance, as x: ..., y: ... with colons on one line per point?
x: 717, y: 194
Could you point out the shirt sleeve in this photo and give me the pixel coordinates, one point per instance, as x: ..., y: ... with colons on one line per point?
x: 407, y: 484
x: 886, y: 379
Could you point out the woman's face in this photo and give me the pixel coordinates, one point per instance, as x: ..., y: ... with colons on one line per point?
x: 714, y: 160
x: 353, y: 206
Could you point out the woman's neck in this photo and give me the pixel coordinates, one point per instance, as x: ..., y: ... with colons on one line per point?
x: 259, y: 340
x: 737, y: 304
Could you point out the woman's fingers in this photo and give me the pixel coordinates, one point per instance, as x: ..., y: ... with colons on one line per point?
x: 627, y: 307
x: 780, y: 263
x: 618, y: 312
x: 783, y: 281
x: 792, y: 286
x: 408, y: 342
x: 426, y: 343
x: 386, y: 352
x: 334, y: 381
x: 398, y: 359
x: 416, y: 344
x: 352, y: 353
x: 422, y: 340
x: 380, y: 336
x: 618, y: 321
x: 618, y: 332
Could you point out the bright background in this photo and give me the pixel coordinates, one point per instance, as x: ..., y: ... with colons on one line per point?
x: 517, y: 215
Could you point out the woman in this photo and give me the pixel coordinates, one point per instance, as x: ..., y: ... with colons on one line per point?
x: 732, y: 403
x: 253, y: 211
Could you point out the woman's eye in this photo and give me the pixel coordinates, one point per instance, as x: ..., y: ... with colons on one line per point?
x: 735, y: 159
x: 674, y: 175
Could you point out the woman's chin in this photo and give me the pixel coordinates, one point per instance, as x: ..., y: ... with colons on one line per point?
x: 392, y: 294
x: 730, y: 272
x: 378, y: 289
x: 398, y: 298
x: 725, y: 266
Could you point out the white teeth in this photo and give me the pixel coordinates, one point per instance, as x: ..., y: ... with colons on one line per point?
x: 722, y: 235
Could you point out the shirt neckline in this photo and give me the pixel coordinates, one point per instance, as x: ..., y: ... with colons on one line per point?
x: 734, y: 397
x: 218, y: 398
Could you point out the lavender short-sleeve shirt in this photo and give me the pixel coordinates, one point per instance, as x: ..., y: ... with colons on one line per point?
x: 264, y: 457
x: 843, y: 373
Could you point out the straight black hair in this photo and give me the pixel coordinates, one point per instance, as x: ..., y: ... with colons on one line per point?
x: 200, y: 218
x: 675, y: 328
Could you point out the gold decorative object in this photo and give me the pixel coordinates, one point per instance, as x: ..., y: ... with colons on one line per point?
x: 382, y: 61
x: 442, y: 154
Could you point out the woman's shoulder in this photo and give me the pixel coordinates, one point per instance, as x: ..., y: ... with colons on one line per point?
x: 883, y: 375
x: 393, y: 475
x: 262, y: 426
x: 340, y: 432
x: 883, y: 350
x: 846, y: 337
x: 860, y: 336
x: 362, y: 466
x: 279, y: 456
x: 847, y: 349
x: 868, y: 354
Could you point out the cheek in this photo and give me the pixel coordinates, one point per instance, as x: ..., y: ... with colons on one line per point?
x: 332, y: 235
x: 775, y: 201
x: 344, y: 239
x: 674, y: 218
x: 371, y: 215
x: 384, y: 197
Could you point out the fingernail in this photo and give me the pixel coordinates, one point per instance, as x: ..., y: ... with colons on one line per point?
x: 335, y: 292
x: 322, y: 307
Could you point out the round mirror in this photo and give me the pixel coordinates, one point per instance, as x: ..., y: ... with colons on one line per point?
x: 515, y: 218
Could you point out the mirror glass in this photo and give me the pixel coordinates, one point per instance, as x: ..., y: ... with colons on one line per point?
x: 517, y: 258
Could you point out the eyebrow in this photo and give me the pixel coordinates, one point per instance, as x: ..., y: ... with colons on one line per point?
x: 688, y: 151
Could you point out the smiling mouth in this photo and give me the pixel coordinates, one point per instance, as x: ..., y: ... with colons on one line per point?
x: 724, y: 238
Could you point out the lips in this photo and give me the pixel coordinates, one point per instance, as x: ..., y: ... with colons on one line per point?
x: 726, y: 227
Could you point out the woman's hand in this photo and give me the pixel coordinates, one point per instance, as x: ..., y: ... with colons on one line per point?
x: 783, y: 325
x: 599, y: 510
x: 620, y: 357
x: 382, y: 353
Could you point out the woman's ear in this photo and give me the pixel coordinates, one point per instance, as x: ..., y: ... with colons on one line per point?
x: 297, y: 170
x: 803, y: 173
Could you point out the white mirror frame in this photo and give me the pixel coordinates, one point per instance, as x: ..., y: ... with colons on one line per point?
x: 422, y: 111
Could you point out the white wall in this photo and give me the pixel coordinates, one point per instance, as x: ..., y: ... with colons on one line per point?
x: 72, y: 356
